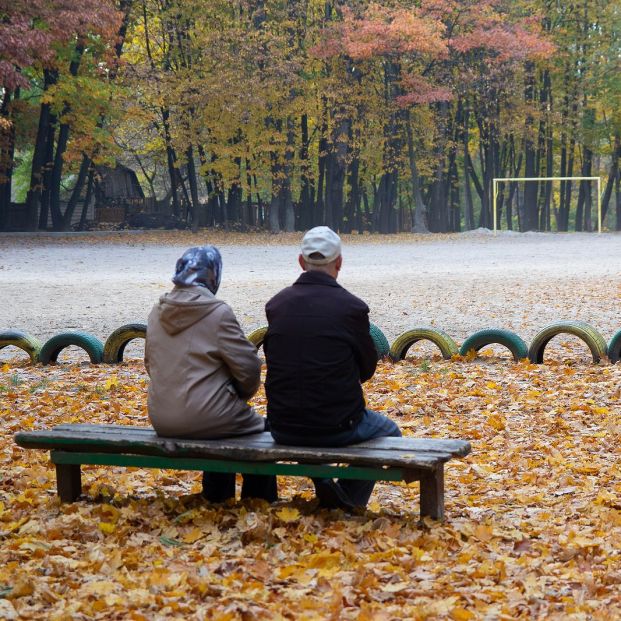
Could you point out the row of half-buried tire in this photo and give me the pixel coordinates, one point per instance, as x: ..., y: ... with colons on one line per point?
x: 111, y: 352
x: 490, y: 336
x: 113, y: 349
x: 382, y: 346
x: 516, y: 345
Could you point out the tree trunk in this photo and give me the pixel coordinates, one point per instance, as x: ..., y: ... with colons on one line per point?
x: 488, y: 147
x: 75, y: 195
x: 387, y: 216
x: 612, y: 174
x: 171, y: 160
x: 544, y: 150
x: 287, y: 198
x: 569, y: 124
x: 44, y: 144
x: 337, y: 163
x: 513, y: 186
x: 561, y: 218
x: 352, y: 206
x: 277, y: 173
x: 306, y: 193
x: 7, y: 157
x: 583, y: 210
x: 195, y: 205
x: 212, y: 181
x: 87, y: 199
x: 260, y: 205
x: 248, y: 213
x: 618, y: 200
x: 61, y: 147
x: 569, y: 185
x: 319, y: 214
x: 275, y: 211
x: 469, y: 211
x: 454, y: 203
x: 420, y: 211
x: 47, y: 174
x: 275, y: 202
x: 531, y: 188
x: 547, y: 202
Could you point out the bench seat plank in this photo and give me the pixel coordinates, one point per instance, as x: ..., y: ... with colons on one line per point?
x: 382, y: 459
x: 457, y: 448
x: 399, y: 452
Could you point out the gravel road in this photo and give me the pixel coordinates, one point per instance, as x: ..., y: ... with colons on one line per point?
x: 459, y: 283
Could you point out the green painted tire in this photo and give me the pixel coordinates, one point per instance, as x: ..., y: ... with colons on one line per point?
x: 115, y: 345
x: 582, y: 330
x: 22, y: 340
x: 614, y: 348
x: 257, y: 336
x: 493, y: 336
x: 89, y: 343
x: 382, y: 346
x: 402, y: 343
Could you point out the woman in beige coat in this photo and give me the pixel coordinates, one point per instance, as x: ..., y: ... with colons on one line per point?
x: 203, y: 369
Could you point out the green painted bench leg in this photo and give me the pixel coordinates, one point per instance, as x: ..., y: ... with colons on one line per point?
x: 68, y: 482
x: 432, y: 493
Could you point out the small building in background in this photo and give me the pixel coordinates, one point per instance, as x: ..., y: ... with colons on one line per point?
x: 117, y: 193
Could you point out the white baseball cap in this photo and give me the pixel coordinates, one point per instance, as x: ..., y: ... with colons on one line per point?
x: 321, y: 245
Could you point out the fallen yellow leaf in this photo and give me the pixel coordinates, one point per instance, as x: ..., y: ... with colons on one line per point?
x: 461, y: 614
x: 194, y: 535
x: 107, y: 527
x: 287, y: 514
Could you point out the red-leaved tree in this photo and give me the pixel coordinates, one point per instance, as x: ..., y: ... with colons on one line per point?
x: 35, y: 36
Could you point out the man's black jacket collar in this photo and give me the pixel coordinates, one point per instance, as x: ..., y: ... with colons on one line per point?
x: 316, y: 278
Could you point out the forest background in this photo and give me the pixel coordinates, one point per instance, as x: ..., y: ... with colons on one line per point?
x: 385, y: 117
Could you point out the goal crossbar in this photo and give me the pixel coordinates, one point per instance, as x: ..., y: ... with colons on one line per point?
x: 497, y: 180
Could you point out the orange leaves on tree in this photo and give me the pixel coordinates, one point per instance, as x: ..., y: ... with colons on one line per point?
x: 421, y: 91
x: 438, y: 33
x: 383, y: 31
x: 506, y: 41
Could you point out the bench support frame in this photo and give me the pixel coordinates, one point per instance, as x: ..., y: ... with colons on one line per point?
x: 432, y: 493
x: 68, y: 481
x: 69, y: 484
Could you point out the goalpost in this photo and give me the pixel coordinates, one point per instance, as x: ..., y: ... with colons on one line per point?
x: 496, y: 180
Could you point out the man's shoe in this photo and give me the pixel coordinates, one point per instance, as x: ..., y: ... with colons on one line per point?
x: 332, y: 496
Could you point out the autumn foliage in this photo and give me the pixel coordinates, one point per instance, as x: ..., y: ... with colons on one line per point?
x: 32, y: 32
x: 365, y: 116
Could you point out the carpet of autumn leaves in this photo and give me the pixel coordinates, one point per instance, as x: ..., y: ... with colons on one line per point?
x: 533, y: 528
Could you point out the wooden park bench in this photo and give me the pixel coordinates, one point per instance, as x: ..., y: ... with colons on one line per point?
x: 383, y: 459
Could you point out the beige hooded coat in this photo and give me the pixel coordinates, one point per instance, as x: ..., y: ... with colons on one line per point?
x: 202, y: 368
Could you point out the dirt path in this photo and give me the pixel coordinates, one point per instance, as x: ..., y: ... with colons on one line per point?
x: 460, y: 283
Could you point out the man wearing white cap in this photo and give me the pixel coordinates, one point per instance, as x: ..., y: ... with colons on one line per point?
x: 318, y: 351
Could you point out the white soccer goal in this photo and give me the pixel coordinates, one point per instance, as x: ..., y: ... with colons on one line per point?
x: 496, y: 180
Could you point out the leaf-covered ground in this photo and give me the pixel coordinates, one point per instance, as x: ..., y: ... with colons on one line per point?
x: 533, y: 526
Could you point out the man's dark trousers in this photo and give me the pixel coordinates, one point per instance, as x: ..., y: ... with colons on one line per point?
x: 372, y: 425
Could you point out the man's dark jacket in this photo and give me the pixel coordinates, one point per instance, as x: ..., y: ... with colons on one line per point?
x: 318, y: 351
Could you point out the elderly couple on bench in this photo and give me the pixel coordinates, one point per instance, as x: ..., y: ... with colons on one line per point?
x: 318, y: 351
